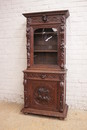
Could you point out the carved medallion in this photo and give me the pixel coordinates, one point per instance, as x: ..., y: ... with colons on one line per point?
x: 44, y: 18
x: 42, y: 95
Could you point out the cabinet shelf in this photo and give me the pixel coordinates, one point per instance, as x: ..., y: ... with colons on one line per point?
x: 42, y: 33
x: 45, y: 50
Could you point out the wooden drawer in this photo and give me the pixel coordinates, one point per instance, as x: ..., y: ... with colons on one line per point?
x: 44, y: 76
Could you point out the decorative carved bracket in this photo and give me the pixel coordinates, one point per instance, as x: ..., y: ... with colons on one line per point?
x: 63, y: 19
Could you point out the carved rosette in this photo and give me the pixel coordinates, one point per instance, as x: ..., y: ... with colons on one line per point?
x: 25, y: 93
x: 62, y: 44
x: 28, y: 42
x: 61, y: 95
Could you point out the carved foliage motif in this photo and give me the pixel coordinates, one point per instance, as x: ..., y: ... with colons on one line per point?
x: 54, y: 19
x: 46, y: 18
x: 42, y: 76
x: 28, y: 41
x: 62, y: 44
x: 42, y: 95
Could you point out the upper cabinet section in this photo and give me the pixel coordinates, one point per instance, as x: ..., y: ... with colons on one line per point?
x: 46, y: 39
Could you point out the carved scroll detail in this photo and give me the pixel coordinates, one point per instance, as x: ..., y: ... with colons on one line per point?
x: 54, y: 19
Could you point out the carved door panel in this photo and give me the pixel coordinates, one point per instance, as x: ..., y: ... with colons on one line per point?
x: 43, y: 95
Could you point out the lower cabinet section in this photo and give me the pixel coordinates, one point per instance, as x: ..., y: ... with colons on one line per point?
x: 43, y: 95
x: 44, y: 98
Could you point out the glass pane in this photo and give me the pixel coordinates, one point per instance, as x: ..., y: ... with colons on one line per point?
x: 45, y: 46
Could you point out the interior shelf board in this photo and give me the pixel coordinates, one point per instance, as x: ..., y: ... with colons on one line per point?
x: 45, y: 50
x: 46, y: 33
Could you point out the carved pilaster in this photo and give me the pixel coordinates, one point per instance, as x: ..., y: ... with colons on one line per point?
x: 61, y: 95
x: 28, y: 42
x: 25, y: 93
x: 62, y: 44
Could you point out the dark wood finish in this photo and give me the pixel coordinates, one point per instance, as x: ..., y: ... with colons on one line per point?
x: 43, y: 95
x: 45, y: 76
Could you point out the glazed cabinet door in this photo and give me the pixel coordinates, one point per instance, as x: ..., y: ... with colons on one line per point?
x: 43, y: 95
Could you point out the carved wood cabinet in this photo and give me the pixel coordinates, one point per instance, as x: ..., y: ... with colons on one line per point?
x: 45, y: 76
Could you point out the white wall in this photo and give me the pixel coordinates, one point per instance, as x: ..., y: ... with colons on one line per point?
x: 13, y: 47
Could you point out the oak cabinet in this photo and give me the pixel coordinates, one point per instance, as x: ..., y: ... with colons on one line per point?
x: 45, y: 76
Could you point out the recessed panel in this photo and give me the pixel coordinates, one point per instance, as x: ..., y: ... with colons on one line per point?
x: 44, y: 95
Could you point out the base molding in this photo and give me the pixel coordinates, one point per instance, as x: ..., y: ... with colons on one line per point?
x: 60, y: 115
